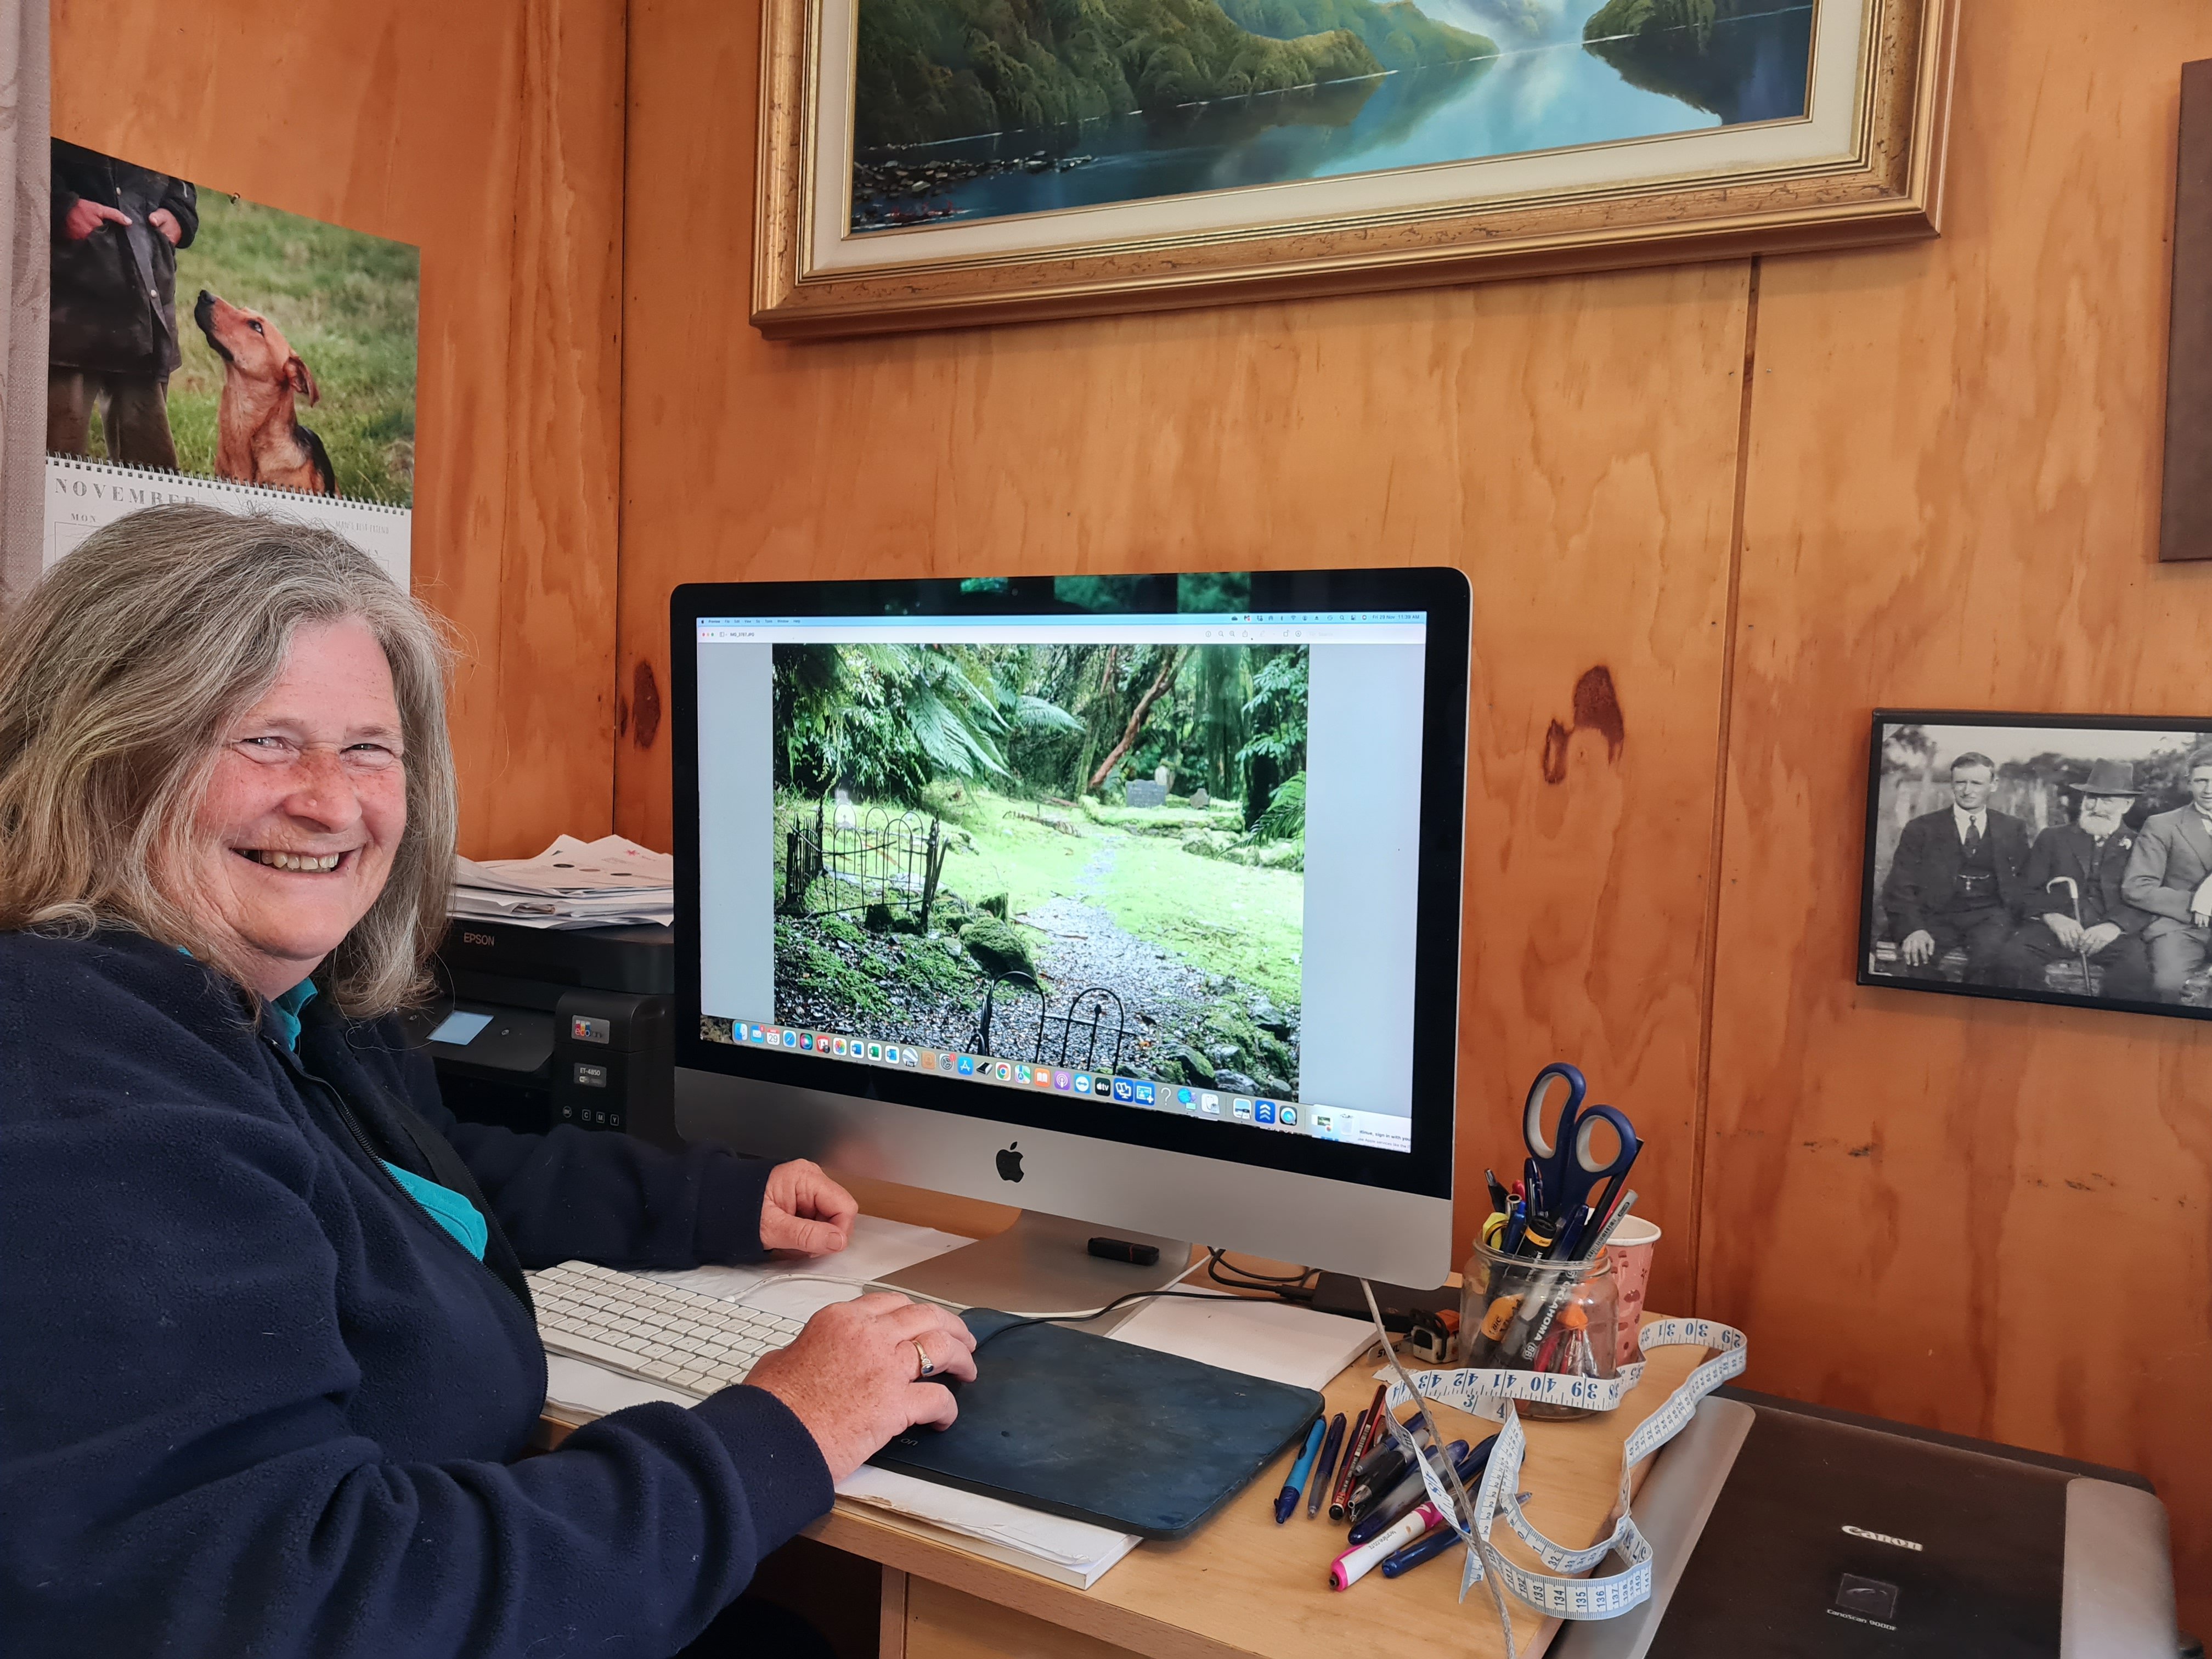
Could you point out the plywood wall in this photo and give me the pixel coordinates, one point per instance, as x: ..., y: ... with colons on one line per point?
x: 1949, y: 465
x: 489, y: 135
x: 1920, y: 1206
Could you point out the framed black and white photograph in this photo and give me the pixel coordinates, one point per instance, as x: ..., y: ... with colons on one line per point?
x: 2041, y: 857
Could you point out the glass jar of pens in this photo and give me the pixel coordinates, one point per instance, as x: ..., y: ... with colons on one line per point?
x: 1526, y: 1314
x: 1538, y: 1294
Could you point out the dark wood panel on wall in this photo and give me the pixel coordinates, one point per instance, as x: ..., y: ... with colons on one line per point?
x: 1571, y: 445
x: 491, y: 137
x: 1918, y: 1205
x: 2185, y: 524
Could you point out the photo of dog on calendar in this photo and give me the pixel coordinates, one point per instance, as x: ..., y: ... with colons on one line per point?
x: 199, y: 333
x: 2041, y: 857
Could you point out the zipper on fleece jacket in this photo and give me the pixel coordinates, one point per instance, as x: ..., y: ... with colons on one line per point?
x: 376, y: 1165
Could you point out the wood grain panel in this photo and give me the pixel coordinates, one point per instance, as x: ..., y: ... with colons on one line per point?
x: 948, y: 1623
x: 1571, y: 445
x: 1916, y: 1203
x: 491, y: 137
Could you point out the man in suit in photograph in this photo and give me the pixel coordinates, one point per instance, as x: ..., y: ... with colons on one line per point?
x: 2167, y: 875
x: 2094, y: 921
x: 1956, y: 878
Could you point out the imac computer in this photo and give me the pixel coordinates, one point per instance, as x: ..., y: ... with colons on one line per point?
x: 1133, y: 901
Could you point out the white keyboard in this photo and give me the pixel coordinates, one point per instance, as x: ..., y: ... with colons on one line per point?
x: 679, y: 1338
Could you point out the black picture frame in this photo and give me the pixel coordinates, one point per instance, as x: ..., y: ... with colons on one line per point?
x: 1908, y: 765
x: 1441, y: 593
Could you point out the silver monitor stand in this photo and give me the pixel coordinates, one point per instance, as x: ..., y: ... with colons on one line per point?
x: 1043, y: 1264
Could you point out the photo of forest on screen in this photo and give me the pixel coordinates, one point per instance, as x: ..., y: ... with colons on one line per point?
x: 1082, y: 854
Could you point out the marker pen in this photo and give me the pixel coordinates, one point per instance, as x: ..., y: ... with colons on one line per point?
x: 1428, y: 1545
x: 1287, y: 1499
x: 1349, y: 1568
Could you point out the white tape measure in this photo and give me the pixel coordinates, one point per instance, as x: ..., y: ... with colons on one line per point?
x: 1560, y: 1591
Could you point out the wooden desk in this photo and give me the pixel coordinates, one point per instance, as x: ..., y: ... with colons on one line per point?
x: 1240, y: 1586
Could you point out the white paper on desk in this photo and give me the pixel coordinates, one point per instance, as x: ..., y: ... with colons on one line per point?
x: 1073, y: 1552
x: 1256, y: 1335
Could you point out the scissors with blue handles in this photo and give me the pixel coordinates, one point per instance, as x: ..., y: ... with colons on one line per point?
x: 1565, y: 1161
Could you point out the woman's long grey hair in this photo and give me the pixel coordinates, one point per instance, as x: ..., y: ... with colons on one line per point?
x: 119, y: 676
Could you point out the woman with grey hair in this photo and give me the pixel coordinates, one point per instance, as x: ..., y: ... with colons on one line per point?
x: 271, y: 1372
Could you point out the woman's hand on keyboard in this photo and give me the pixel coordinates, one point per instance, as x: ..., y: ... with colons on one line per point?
x: 851, y: 1377
x: 805, y: 1211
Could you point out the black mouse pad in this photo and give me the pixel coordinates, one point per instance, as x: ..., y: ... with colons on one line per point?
x: 1102, y: 1430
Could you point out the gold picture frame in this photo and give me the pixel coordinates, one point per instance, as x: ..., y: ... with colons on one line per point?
x: 1873, y: 175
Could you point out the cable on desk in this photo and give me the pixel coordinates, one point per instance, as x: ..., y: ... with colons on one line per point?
x: 1286, y: 1287
x: 1071, y: 1316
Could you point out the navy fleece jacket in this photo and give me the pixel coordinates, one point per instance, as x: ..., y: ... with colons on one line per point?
x: 255, y: 1402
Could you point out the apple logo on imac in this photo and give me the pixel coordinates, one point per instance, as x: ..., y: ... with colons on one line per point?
x: 1010, y: 1163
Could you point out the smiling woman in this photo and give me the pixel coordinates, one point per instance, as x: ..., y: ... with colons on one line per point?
x: 149, y: 750
x: 226, y: 839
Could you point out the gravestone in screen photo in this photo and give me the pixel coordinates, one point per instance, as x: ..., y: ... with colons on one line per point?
x: 2040, y: 858
x: 1087, y: 855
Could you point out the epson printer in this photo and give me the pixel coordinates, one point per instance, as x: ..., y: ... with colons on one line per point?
x: 535, y: 1027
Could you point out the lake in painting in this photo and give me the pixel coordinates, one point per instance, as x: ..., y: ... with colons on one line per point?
x: 975, y: 109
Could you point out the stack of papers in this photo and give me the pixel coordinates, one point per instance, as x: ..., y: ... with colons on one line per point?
x: 607, y: 883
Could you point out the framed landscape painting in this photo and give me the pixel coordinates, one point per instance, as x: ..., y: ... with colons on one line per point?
x: 931, y: 163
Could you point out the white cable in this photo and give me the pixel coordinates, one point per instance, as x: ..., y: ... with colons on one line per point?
x: 1076, y: 1316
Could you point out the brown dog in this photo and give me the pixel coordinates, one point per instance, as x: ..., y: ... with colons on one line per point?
x: 259, y: 439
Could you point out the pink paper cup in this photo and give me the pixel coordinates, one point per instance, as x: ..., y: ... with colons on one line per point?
x: 1629, y: 1253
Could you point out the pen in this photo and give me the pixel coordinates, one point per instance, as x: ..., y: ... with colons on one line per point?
x: 1572, y: 1234
x: 1612, y: 1223
x: 1428, y: 1545
x: 1496, y: 1189
x: 1368, y: 1488
x: 1287, y: 1499
x: 1390, y: 1498
x: 1385, y: 1446
x: 1467, y: 1463
x: 1349, y: 1568
x: 1355, y: 1448
x: 1382, y: 1466
x: 1324, y: 1472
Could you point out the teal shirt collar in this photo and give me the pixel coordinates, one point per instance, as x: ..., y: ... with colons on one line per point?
x: 284, y: 1013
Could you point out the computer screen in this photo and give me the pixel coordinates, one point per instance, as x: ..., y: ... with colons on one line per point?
x: 1170, y: 861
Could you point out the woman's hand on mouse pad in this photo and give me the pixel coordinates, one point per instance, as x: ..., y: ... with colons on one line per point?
x: 854, y: 1376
